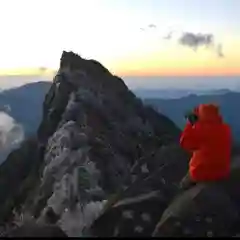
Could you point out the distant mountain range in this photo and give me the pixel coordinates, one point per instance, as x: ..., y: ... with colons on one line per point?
x: 24, y: 104
x: 172, y: 93
x: 175, y: 108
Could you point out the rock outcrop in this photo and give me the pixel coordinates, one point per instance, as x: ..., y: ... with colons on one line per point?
x: 96, y: 138
x: 110, y: 166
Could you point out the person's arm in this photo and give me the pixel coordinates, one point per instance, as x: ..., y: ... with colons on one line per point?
x: 191, y: 137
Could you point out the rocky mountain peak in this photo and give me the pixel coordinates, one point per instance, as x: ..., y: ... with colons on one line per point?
x: 73, y: 62
x: 93, y: 134
x: 87, y: 81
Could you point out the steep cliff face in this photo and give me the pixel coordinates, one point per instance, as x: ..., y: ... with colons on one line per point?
x: 95, y: 138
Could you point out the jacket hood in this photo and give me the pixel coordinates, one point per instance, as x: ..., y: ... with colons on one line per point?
x: 209, y: 113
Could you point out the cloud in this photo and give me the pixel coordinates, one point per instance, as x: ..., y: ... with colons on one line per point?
x: 219, y: 51
x: 149, y: 26
x: 152, y: 25
x: 5, y: 108
x: 168, y: 36
x: 196, y: 40
x: 190, y: 39
x: 11, y: 134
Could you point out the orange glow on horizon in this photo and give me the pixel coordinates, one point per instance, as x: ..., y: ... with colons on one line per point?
x: 177, y: 71
x: 175, y: 67
x: 182, y: 72
x: 175, y: 60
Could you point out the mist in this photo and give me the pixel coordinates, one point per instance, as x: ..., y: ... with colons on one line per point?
x: 11, y: 135
x: 8, y: 82
x: 184, y: 82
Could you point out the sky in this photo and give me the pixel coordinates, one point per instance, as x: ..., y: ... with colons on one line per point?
x: 131, y: 38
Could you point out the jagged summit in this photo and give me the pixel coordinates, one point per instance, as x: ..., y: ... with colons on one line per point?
x: 73, y: 61
x: 95, y: 71
x: 79, y: 78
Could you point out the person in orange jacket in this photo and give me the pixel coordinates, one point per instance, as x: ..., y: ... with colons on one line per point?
x: 209, y: 140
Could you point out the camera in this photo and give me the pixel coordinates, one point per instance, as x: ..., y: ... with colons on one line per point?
x: 191, y: 117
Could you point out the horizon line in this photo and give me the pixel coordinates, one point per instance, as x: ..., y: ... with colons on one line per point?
x: 43, y: 71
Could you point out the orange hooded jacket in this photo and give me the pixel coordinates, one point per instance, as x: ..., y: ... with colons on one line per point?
x: 209, y: 140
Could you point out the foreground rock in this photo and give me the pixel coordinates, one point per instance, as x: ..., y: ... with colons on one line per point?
x: 203, y: 211
x: 37, y: 230
x: 206, y: 210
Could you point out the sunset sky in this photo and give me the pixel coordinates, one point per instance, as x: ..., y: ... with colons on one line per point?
x: 130, y: 37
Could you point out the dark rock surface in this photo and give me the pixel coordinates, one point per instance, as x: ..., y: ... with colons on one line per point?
x: 203, y: 211
x: 37, y: 230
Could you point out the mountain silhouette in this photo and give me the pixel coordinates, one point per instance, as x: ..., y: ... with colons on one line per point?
x: 24, y: 104
x: 176, y: 108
